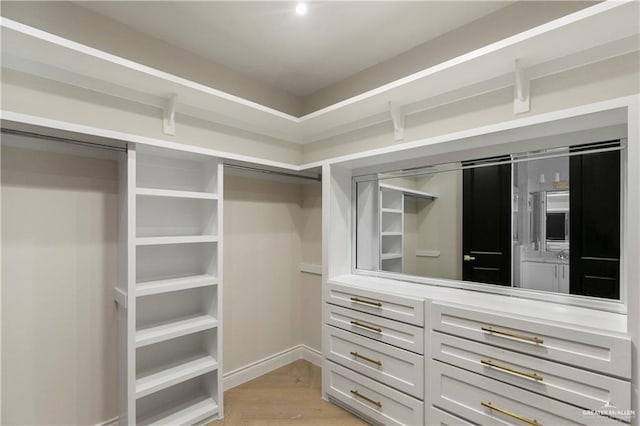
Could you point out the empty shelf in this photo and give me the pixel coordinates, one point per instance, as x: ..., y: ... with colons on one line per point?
x: 390, y: 256
x: 153, y: 192
x: 175, y: 284
x: 174, y: 375
x: 151, y: 241
x: 409, y: 192
x: 170, y: 330
x: 189, y: 413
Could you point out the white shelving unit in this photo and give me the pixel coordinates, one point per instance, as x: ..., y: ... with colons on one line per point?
x: 172, y: 347
x: 391, y: 199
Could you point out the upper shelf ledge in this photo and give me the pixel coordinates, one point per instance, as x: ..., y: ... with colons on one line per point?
x: 561, y: 44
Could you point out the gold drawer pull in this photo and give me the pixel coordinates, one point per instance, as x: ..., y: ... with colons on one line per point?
x: 366, y: 327
x: 531, y: 339
x: 359, y: 395
x: 533, y: 376
x: 510, y: 414
x: 372, y: 361
x: 366, y: 302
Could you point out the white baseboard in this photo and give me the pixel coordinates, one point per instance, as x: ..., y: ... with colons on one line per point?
x: 256, y: 369
x: 110, y: 422
x: 312, y: 355
x: 266, y: 365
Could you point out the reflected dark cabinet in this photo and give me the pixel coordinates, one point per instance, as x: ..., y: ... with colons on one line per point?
x: 595, y: 215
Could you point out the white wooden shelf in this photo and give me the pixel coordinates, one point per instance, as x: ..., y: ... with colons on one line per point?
x: 191, y: 412
x: 562, y: 44
x: 389, y: 256
x: 176, y: 374
x: 395, y: 211
x: 153, y: 241
x: 170, y: 330
x: 409, y: 192
x: 391, y: 234
x: 153, y: 192
x: 149, y: 288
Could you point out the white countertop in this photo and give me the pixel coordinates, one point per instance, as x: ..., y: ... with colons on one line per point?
x: 588, y: 319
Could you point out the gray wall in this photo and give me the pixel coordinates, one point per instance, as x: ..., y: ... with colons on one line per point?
x: 59, y: 265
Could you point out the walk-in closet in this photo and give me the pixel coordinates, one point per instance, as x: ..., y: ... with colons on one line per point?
x: 272, y: 213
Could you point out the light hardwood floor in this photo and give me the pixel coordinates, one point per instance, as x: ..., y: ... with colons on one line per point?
x: 287, y: 396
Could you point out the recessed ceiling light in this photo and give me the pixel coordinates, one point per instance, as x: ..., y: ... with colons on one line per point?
x: 301, y: 9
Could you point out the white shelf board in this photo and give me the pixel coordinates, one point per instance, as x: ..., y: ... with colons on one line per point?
x: 182, y: 327
x: 152, y: 241
x: 389, y: 256
x: 173, y: 375
x: 191, y: 412
x: 395, y: 211
x: 153, y: 192
x: 409, y: 192
x: 148, y: 288
x: 391, y: 234
x: 564, y: 43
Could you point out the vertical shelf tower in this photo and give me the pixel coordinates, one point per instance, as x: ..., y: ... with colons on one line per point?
x: 171, y: 324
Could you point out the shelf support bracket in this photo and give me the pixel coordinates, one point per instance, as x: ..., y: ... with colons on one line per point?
x: 521, y: 100
x: 398, y: 121
x: 169, y: 116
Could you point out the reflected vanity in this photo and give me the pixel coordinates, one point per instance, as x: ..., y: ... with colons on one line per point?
x: 547, y: 220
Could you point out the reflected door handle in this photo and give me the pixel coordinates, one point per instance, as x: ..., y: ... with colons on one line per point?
x: 468, y: 258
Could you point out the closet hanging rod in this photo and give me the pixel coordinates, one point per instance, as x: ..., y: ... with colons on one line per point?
x: 64, y: 140
x: 273, y: 172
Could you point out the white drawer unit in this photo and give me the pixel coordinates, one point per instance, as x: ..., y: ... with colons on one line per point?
x: 395, y: 367
x: 399, y: 308
x: 380, y: 329
x: 568, y: 384
x: 483, y: 400
x: 602, y: 352
x: 438, y: 417
x: 373, y: 399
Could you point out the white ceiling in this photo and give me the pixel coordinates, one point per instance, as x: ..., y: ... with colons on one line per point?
x: 267, y: 41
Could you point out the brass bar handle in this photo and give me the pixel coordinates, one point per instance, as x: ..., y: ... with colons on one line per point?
x: 510, y: 414
x: 468, y: 258
x: 372, y: 361
x: 366, y: 327
x: 366, y: 302
x: 374, y: 402
x: 531, y: 339
x: 526, y: 374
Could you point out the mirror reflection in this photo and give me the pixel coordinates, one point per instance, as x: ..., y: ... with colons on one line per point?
x: 547, y: 221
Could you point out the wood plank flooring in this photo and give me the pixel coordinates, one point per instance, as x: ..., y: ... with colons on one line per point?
x: 287, y: 396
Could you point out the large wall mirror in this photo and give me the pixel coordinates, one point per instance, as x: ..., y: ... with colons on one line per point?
x: 548, y: 220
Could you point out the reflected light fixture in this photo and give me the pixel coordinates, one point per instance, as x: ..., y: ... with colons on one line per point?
x: 301, y: 9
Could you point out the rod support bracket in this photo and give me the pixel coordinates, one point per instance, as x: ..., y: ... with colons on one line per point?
x: 521, y: 99
x: 169, y: 116
x: 121, y: 298
x: 398, y: 121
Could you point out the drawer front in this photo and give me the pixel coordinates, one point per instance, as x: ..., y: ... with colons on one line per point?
x: 395, y: 367
x: 595, y: 351
x: 399, y: 308
x: 395, y: 333
x: 438, y: 417
x: 483, y: 400
x: 373, y: 399
x: 572, y: 385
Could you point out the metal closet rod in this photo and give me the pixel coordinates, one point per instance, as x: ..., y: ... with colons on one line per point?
x: 64, y: 140
x: 124, y: 149
x: 273, y: 172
